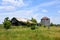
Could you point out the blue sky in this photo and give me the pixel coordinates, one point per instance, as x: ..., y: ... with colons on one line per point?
x: 30, y: 8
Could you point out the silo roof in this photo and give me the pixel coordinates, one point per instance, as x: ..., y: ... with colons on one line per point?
x: 45, y: 18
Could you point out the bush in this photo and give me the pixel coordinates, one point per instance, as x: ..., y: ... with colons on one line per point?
x: 44, y: 26
x: 51, y: 24
x: 33, y: 27
x: 34, y: 20
x: 7, y: 23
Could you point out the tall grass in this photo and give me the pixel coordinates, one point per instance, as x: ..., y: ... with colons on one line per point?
x: 25, y: 33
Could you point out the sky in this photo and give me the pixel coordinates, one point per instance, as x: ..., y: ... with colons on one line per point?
x: 30, y: 8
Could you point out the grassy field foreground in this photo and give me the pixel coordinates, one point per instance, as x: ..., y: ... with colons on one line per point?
x: 20, y: 33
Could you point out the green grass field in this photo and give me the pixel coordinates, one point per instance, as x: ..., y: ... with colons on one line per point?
x: 25, y: 33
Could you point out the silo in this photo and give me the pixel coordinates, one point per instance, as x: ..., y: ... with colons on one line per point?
x: 45, y: 21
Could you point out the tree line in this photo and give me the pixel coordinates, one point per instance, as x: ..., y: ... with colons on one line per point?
x: 7, y: 23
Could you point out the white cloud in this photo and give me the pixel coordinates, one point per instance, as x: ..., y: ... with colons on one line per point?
x: 59, y: 11
x: 1, y: 7
x: 13, y: 2
x: 35, y: 16
x: 7, y: 7
x: 44, y: 10
x: 20, y: 13
x: 51, y: 3
x: 55, y: 20
x: 48, y: 3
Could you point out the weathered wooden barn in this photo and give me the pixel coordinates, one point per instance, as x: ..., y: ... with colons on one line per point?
x: 45, y: 21
x: 20, y: 21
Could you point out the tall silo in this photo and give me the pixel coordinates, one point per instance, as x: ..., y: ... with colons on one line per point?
x: 45, y: 21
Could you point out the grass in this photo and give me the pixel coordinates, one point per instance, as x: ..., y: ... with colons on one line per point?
x: 25, y: 33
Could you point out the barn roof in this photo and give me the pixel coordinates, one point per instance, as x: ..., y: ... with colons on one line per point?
x: 45, y: 18
x: 23, y: 20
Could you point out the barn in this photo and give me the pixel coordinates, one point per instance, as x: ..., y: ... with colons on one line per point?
x: 45, y: 21
x: 20, y: 21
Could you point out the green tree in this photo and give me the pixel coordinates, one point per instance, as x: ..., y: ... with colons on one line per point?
x: 33, y: 26
x: 33, y: 20
x: 7, y: 23
x: 51, y: 24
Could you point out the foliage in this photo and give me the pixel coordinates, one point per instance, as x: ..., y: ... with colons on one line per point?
x: 33, y: 26
x: 51, y: 24
x: 7, y: 23
x: 40, y: 24
x: 1, y: 26
x: 28, y: 24
x: 34, y: 20
x: 19, y: 33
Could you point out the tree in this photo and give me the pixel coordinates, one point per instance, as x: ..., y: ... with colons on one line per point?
x: 33, y: 20
x: 33, y: 26
x: 51, y: 24
x: 28, y: 24
x: 7, y: 23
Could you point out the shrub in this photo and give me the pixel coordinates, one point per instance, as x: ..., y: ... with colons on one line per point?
x: 44, y: 26
x: 51, y: 24
x: 7, y: 23
x: 33, y: 27
x: 34, y: 20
